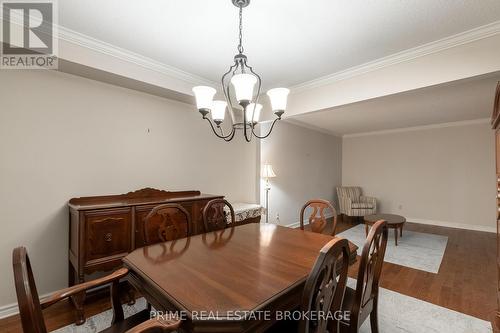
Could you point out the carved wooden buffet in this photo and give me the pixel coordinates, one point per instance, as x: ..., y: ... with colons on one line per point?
x: 104, y: 229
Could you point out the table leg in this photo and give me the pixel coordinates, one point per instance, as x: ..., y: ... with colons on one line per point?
x: 396, y: 235
x: 401, y: 231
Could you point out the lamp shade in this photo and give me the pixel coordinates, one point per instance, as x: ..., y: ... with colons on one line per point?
x: 253, y: 109
x: 243, y: 86
x: 278, y: 97
x: 204, y: 96
x: 267, y: 171
x: 218, y: 110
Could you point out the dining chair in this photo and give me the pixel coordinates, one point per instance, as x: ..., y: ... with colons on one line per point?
x: 323, y: 291
x: 363, y: 301
x: 325, y: 286
x: 30, y: 306
x: 317, y: 219
x: 165, y: 223
x: 215, y: 216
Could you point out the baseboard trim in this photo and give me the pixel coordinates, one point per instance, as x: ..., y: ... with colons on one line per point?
x: 13, y: 309
x: 447, y: 224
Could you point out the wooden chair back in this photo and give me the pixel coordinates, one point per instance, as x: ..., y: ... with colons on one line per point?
x: 370, y: 267
x: 317, y: 219
x: 215, y: 217
x: 165, y: 223
x: 27, y: 295
x: 325, y: 287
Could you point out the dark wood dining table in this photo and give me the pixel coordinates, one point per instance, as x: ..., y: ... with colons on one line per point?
x: 234, y: 280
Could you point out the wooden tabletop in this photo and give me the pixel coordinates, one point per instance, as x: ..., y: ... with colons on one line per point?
x: 243, y: 269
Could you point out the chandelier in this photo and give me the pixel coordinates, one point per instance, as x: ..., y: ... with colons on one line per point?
x: 241, y: 87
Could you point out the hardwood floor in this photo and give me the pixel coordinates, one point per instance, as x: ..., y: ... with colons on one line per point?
x: 466, y: 281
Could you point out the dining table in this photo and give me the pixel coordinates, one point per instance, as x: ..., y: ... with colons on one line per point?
x: 233, y: 280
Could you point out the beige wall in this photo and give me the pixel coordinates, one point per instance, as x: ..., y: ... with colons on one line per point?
x: 307, y: 164
x: 63, y: 136
x: 442, y: 174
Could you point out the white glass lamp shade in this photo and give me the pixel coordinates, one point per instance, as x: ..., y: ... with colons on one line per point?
x: 218, y: 111
x: 256, y: 113
x: 243, y: 86
x: 204, y: 96
x: 267, y: 171
x: 278, y: 97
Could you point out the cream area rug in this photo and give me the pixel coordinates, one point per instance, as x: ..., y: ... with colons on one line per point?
x: 102, y: 320
x: 399, y: 313
x: 415, y: 249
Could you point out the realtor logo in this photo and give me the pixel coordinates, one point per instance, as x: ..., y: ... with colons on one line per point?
x: 28, y: 34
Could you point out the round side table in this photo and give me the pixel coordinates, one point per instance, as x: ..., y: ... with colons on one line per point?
x: 393, y: 222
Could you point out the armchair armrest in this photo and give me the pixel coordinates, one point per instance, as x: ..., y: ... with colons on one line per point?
x: 156, y: 325
x: 79, y: 288
x: 371, y: 200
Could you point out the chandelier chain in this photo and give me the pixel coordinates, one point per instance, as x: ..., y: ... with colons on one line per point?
x: 240, y: 45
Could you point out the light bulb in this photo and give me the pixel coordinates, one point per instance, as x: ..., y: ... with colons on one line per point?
x: 278, y: 97
x: 256, y: 113
x: 204, y: 96
x: 243, y: 86
x: 218, y: 111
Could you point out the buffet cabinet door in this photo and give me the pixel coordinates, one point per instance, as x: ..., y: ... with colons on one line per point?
x: 107, y: 233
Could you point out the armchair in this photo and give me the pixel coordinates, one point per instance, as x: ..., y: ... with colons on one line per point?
x: 352, y: 202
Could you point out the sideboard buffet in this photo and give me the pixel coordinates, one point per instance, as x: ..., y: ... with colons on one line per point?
x: 104, y: 229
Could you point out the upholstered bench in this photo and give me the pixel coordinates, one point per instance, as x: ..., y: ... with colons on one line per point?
x: 246, y: 212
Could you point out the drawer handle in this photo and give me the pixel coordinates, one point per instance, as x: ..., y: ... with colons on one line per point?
x: 108, y: 237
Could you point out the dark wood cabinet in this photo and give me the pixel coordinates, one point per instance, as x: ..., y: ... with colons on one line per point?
x: 104, y: 229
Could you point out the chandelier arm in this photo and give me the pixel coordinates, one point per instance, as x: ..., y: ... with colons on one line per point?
x: 259, y: 85
x: 225, y: 89
x: 268, y: 133
x: 232, y: 135
x: 218, y: 135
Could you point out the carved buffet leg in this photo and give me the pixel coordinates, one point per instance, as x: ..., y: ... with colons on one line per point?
x: 78, y: 301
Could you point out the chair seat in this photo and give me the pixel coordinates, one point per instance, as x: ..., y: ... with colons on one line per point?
x: 363, y: 205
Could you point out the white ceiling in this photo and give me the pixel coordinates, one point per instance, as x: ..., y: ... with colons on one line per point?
x: 462, y: 100
x: 287, y: 41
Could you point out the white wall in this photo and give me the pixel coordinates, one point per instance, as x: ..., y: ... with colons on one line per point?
x: 63, y: 136
x: 444, y: 175
x: 307, y: 164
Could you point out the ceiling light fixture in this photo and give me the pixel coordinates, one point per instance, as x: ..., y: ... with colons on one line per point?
x: 241, y: 97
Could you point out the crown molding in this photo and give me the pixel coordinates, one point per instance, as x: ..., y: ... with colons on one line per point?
x: 462, y: 38
x: 102, y: 47
x: 419, y: 128
x: 97, y: 45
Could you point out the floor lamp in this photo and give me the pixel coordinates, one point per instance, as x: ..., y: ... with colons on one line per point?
x: 267, y: 172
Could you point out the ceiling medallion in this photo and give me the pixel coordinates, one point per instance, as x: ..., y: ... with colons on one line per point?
x: 241, y: 96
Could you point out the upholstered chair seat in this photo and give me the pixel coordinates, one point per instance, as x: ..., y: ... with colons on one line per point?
x: 357, y: 205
